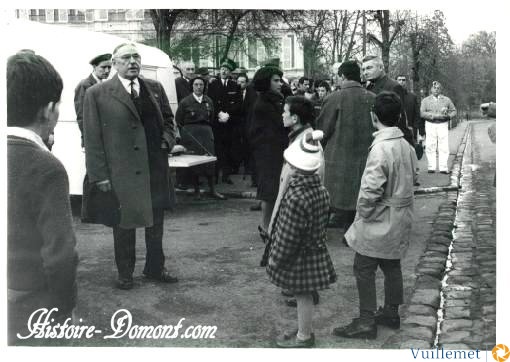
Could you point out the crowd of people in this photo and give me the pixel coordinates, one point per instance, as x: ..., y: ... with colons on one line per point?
x: 318, y: 157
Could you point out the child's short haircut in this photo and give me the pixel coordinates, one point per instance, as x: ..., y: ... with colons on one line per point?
x: 301, y: 107
x: 387, y: 107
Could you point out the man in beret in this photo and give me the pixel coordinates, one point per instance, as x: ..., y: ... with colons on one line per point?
x: 378, y: 81
x: 101, y: 67
x: 345, y: 120
x: 227, y: 99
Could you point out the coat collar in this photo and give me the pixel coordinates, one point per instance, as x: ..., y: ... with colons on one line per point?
x: 386, y: 134
x: 273, y: 97
x: 295, y: 133
x: 27, y: 134
x: 305, y: 180
x: 350, y: 84
x: 118, y: 91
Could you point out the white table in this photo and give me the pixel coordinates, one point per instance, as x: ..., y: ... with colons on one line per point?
x: 189, y: 160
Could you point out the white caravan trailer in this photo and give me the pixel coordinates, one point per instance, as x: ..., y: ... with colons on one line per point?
x: 70, y: 50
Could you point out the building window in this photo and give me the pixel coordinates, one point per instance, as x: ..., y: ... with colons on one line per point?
x: 101, y: 15
x: 89, y: 15
x: 60, y: 16
x: 252, y: 53
x: 288, y: 52
x: 22, y: 14
x: 37, y: 15
x: 134, y: 14
x: 49, y: 16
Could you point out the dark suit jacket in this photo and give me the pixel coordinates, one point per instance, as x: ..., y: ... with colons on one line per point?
x: 226, y: 99
x: 412, y: 108
x: 247, y: 106
x: 182, y: 88
x: 387, y: 84
x: 116, y: 145
x: 79, y: 95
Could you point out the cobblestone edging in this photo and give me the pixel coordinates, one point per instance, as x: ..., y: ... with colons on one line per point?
x: 470, y: 282
x: 420, y: 316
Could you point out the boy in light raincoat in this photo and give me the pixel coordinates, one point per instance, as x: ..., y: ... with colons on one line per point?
x: 384, y: 215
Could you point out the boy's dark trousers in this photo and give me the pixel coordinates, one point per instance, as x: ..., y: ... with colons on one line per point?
x: 364, y: 271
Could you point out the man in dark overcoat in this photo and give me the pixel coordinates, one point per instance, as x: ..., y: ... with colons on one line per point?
x: 345, y: 120
x: 182, y: 84
x: 412, y: 108
x: 101, y: 66
x: 378, y: 81
x: 129, y: 131
x: 227, y: 99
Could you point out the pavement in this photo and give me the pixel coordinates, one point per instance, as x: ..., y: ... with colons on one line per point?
x: 214, y: 248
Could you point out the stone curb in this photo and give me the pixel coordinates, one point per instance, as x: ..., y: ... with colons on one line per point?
x: 420, y: 318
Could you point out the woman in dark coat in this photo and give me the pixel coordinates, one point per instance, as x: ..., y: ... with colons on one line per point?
x: 268, y: 137
x: 194, y: 116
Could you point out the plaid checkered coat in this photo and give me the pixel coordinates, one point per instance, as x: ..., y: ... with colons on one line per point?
x: 298, y: 257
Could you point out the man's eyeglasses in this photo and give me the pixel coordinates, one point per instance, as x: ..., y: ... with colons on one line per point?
x: 127, y: 57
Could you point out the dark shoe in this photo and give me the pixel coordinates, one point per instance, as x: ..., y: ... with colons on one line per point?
x: 431, y: 171
x: 256, y: 207
x: 293, y: 342
x: 358, y: 328
x: 125, y: 283
x: 164, y: 277
x: 384, y: 317
x: 216, y: 195
x: 445, y: 172
x: 417, y: 184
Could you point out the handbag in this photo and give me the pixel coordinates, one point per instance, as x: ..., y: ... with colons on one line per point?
x: 99, y: 207
x: 418, y: 148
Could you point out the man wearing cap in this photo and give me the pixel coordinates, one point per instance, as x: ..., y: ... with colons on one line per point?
x: 204, y: 73
x: 437, y: 110
x: 378, y: 81
x: 101, y: 66
x: 128, y: 132
x: 226, y: 96
x: 345, y: 120
x: 182, y: 84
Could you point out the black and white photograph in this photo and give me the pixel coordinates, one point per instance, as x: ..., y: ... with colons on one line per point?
x: 218, y: 182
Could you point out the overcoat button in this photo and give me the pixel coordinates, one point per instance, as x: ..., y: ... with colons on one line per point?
x: 138, y: 172
x: 136, y: 148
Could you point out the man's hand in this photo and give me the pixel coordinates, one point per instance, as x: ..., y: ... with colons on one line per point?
x: 178, y: 149
x: 223, y: 117
x: 104, y: 186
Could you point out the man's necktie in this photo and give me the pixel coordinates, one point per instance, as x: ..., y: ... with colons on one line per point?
x: 134, y: 94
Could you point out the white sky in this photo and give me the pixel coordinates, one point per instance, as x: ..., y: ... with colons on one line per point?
x: 462, y: 22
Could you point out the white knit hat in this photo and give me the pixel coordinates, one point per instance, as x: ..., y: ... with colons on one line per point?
x: 305, y: 155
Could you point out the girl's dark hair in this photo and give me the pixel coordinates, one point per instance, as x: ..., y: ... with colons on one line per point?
x: 262, y: 78
x: 32, y: 82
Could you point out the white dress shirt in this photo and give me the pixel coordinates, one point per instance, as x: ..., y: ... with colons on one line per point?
x: 127, y: 84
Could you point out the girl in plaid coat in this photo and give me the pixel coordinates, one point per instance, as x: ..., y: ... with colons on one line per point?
x: 298, y: 257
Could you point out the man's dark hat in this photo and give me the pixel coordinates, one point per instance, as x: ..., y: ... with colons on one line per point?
x: 100, y: 58
x: 273, y: 62
x: 202, y: 71
x: 229, y: 63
